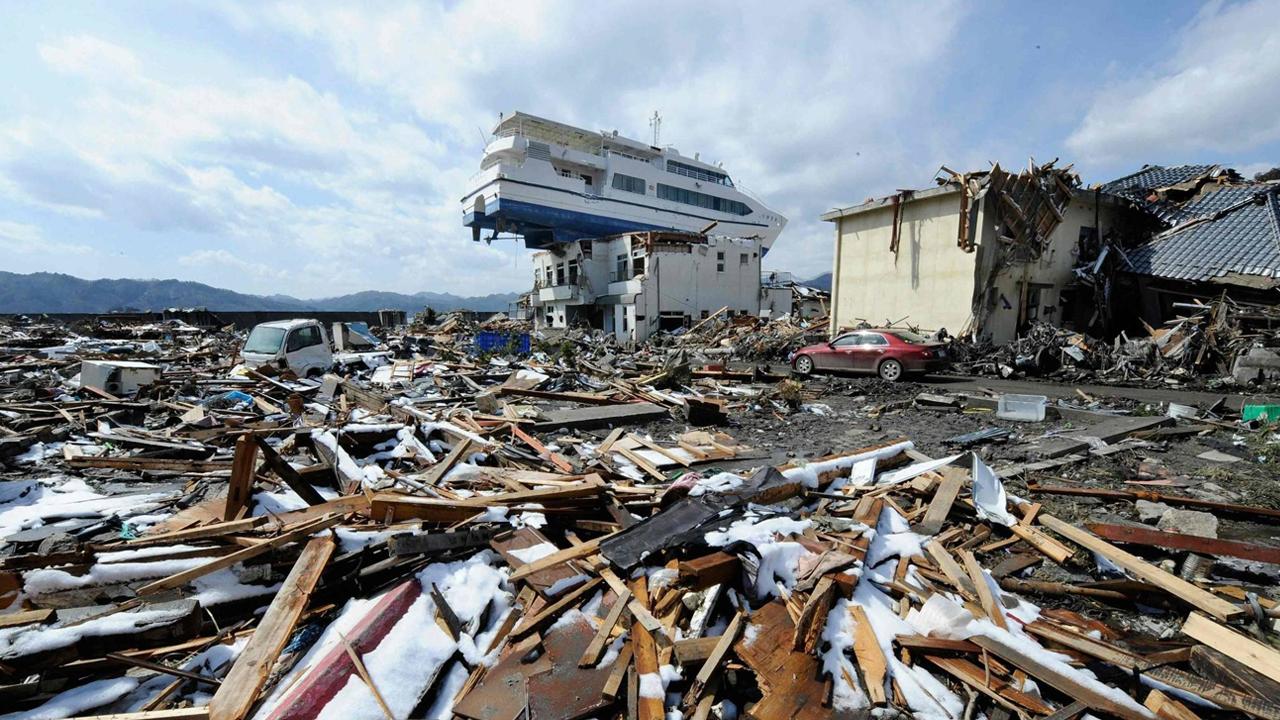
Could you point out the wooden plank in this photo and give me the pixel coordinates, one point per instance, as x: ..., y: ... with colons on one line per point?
x: 191, y: 713
x: 1180, y: 541
x: 951, y: 569
x: 26, y: 617
x: 558, y: 557
x: 1166, y: 708
x: 186, y: 576
x: 1039, y: 540
x: 646, y: 659
x: 1059, y: 681
x: 552, y: 611
x: 715, y: 659
x: 222, y: 529
x: 988, y: 600
x: 1068, y: 712
x: 591, y: 655
x: 287, y: 473
x: 1180, y: 500
x: 247, y: 677
x: 140, y: 464
x: 1202, y: 599
x: 1005, y: 694
x: 634, y: 413
x: 940, y: 507
x: 716, y: 568
x: 1252, y: 653
x: 240, y: 487
x: 866, y: 649
x: 814, y: 615
x: 438, y: 471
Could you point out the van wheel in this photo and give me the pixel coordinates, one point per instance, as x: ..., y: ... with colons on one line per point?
x: 890, y: 370
x: 314, y: 374
x: 804, y: 365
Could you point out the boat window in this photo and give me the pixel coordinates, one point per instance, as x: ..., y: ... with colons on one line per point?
x: 711, y: 202
x: 628, y: 183
x: 698, y: 173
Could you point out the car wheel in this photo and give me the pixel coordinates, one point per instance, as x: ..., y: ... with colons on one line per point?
x: 804, y: 365
x: 890, y: 370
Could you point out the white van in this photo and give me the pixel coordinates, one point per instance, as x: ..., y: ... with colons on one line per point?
x: 298, y: 345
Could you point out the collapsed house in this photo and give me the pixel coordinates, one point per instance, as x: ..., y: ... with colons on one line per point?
x: 985, y: 254
x: 781, y: 295
x: 634, y: 284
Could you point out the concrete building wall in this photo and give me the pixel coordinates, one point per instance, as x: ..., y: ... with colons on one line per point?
x: 930, y: 280
x: 1044, y: 277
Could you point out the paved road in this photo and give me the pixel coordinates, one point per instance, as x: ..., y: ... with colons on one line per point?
x: 959, y: 383
x: 1056, y: 390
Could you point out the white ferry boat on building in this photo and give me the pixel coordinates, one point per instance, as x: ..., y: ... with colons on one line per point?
x: 550, y: 182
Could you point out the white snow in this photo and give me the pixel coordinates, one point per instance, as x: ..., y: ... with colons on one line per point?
x: 989, y: 497
x: 26, y: 640
x: 78, y: 699
x: 893, y: 477
x: 718, y: 483
x: 941, y: 617
x: 45, y: 581
x: 32, y: 503
x: 810, y: 472
x: 533, y: 553
x: 651, y: 686
x: 839, y: 633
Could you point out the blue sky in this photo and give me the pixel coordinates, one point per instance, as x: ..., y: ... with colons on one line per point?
x: 315, y: 148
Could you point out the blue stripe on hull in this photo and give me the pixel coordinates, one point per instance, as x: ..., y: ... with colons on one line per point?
x: 541, y: 225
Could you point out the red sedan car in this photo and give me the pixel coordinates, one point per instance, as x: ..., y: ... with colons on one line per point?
x: 888, y: 353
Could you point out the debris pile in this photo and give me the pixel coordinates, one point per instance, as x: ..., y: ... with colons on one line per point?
x: 1215, y: 344
x: 452, y: 537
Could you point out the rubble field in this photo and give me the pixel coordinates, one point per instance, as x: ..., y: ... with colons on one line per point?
x: 446, y: 527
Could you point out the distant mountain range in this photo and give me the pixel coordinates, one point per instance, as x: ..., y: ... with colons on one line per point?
x: 58, y: 293
x: 822, y: 282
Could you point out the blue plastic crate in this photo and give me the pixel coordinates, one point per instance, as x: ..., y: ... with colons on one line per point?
x: 490, y: 341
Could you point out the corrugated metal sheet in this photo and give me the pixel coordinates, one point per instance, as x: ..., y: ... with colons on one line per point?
x: 1232, y: 230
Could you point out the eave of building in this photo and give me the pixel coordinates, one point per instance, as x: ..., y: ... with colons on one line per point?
x: 887, y: 201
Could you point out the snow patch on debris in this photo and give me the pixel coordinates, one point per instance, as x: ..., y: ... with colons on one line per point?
x: 75, y: 701
x: 27, y: 640
x: 941, y: 617
x: 810, y: 472
x: 989, y: 498
x: 533, y: 553
x: 33, y: 503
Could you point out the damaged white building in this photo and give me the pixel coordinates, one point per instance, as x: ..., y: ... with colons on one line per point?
x: 638, y: 283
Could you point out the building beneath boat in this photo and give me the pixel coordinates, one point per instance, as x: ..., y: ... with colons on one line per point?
x: 637, y: 283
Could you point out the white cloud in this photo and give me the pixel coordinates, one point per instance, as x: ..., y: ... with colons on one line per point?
x: 23, y: 239
x: 214, y: 262
x: 1218, y: 91
x: 355, y: 176
x: 804, y: 102
x: 90, y: 56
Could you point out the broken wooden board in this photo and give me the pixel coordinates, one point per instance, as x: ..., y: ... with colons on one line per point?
x: 596, y: 416
x: 247, y: 677
x: 1179, y: 541
x: 1262, y: 658
x: 1144, y: 570
x: 790, y: 680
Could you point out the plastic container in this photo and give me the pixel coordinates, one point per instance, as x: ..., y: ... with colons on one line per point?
x: 1022, y: 408
x: 1265, y: 413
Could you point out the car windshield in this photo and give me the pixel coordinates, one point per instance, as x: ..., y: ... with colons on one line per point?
x: 265, y: 340
x: 909, y: 337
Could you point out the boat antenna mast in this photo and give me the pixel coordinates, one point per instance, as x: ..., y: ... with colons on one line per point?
x: 655, y: 122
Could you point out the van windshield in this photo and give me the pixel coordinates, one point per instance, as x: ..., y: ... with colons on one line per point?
x: 264, y: 340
